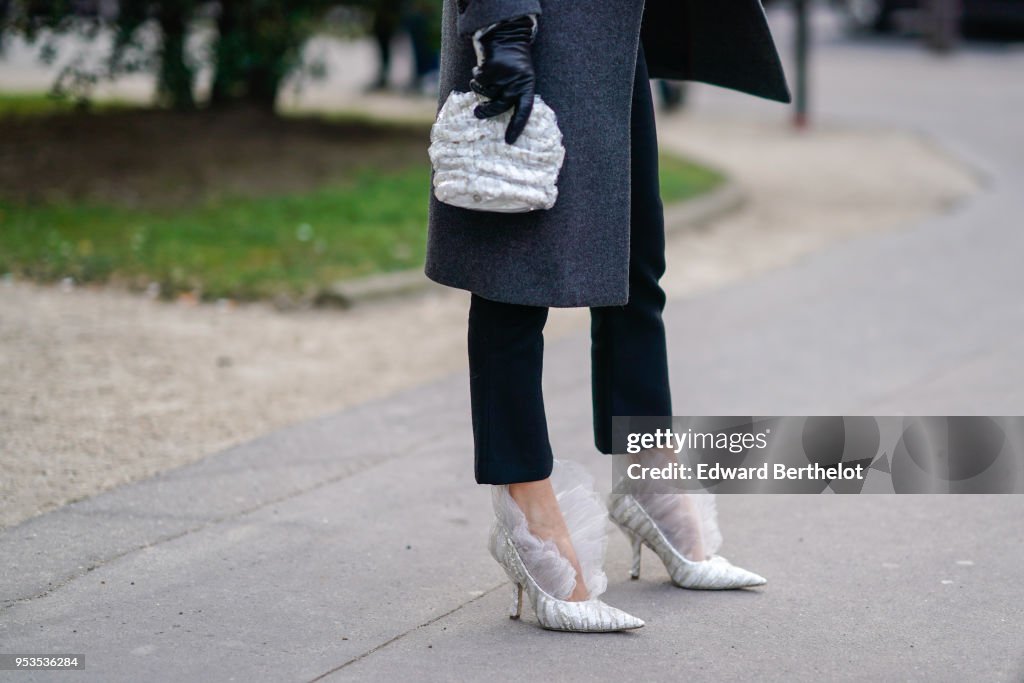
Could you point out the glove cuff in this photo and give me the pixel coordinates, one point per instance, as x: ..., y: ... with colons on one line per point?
x: 479, y: 33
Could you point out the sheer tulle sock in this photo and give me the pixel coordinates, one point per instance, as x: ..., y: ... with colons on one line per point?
x: 586, y: 519
x: 689, y: 520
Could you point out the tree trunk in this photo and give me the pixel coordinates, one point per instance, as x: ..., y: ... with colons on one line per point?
x: 228, y: 55
x: 253, y: 54
x: 175, y: 78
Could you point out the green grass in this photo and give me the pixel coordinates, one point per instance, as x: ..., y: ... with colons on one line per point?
x: 682, y: 179
x: 248, y: 249
x: 243, y: 248
x: 41, y: 104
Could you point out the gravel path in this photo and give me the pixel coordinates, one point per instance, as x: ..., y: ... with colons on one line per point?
x: 99, y: 388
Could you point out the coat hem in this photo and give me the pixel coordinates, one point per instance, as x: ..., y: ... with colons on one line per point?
x: 540, y: 300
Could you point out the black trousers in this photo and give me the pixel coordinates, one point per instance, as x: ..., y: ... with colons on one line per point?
x: 629, y: 366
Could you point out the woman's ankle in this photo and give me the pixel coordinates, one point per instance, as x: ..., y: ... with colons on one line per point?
x: 537, y: 501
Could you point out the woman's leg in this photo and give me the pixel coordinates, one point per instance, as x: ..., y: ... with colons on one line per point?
x: 628, y: 356
x: 510, y: 433
x: 506, y: 357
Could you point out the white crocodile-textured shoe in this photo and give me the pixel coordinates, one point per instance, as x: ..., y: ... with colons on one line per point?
x: 588, y: 616
x: 715, y: 573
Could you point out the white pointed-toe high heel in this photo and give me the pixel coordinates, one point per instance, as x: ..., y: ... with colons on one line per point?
x: 589, y: 616
x: 715, y: 573
x: 537, y: 569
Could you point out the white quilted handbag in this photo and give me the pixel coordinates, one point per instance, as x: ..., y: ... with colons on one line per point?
x: 474, y: 168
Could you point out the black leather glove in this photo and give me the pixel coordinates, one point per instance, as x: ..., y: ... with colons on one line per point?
x: 504, y: 72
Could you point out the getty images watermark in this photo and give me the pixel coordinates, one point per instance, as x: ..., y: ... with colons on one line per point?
x: 851, y: 454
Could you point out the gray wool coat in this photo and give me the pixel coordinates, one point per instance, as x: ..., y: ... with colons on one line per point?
x: 577, y: 252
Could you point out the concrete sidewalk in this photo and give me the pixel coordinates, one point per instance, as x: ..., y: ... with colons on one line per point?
x: 352, y: 546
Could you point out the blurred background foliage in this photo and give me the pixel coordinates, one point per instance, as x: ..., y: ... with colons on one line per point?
x: 254, y: 45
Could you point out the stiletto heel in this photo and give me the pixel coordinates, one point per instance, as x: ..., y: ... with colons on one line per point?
x: 638, y: 545
x: 517, y: 602
x: 714, y: 573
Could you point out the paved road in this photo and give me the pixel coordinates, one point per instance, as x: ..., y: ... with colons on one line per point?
x: 351, y: 547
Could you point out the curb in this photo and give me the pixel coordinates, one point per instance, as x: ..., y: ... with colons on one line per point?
x: 705, y: 208
x: 679, y: 216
